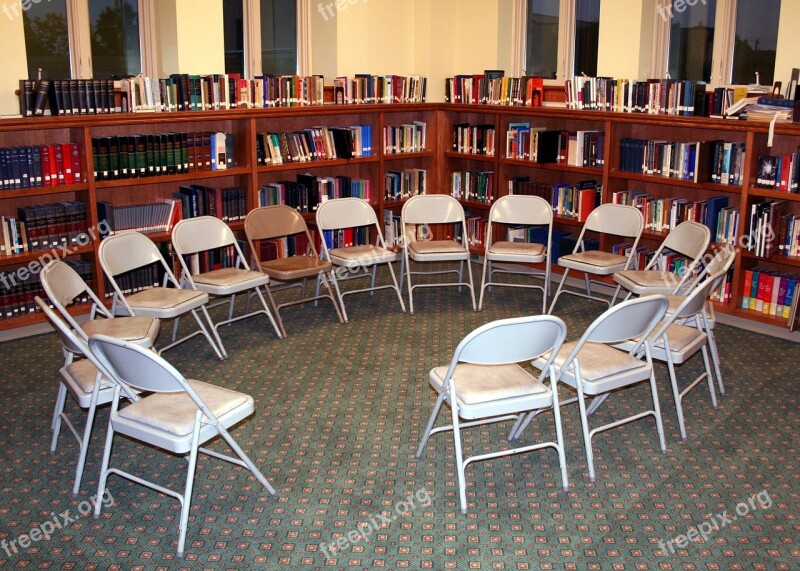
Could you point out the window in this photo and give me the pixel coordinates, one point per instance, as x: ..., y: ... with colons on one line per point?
x: 561, y: 31
x: 541, y: 49
x: 115, y: 38
x: 691, y: 42
x: 718, y: 41
x: 756, y: 41
x: 47, y: 39
x: 268, y: 47
x: 57, y: 32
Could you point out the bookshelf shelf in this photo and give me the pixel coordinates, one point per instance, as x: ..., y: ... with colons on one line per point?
x: 25, y: 257
x: 438, y: 160
x: 171, y: 178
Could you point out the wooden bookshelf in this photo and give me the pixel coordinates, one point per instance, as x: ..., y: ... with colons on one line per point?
x: 437, y: 158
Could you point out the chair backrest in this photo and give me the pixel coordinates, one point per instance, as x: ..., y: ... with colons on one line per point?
x: 432, y: 209
x: 635, y: 318
x: 69, y: 340
x: 721, y: 262
x: 616, y: 219
x: 513, y: 340
x: 192, y: 235
x: 689, y: 239
x: 140, y: 368
x: 273, y: 222
x: 521, y: 209
x: 345, y: 213
x: 63, y: 285
x: 126, y: 251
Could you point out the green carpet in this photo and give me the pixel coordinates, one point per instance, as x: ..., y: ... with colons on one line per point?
x: 339, y: 413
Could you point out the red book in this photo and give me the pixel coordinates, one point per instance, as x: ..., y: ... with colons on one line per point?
x: 75, y: 159
x: 46, y: 167
x: 57, y: 162
x: 66, y: 162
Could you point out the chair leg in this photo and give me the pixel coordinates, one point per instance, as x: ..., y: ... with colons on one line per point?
x: 246, y: 460
x: 614, y: 297
x: 709, y: 376
x: 431, y: 421
x: 462, y: 484
x: 374, y: 276
x: 87, y: 434
x: 176, y: 322
x: 410, y: 289
x: 596, y: 402
x: 321, y: 277
x: 656, y: 404
x: 676, y: 393
x: 397, y: 289
x: 562, y: 458
x: 231, y: 304
x: 558, y: 291
x: 211, y: 333
x: 268, y: 312
x: 338, y: 293
x: 460, y: 274
x: 712, y: 345
x: 486, y: 264
x: 104, y: 471
x: 186, y: 500
x: 587, y: 438
x: 55, y: 424
x: 280, y: 330
x: 471, y: 285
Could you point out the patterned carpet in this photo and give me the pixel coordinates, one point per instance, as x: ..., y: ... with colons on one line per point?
x: 339, y: 413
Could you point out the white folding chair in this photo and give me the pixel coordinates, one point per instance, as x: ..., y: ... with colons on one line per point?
x: 179, y: 416
x: 128, y: 251
x: 63, y: 286
x: 204, y: 234
x: 613, y: 219
x: 688, y: 239
x: 435, y: 209
x: 357, y: 261
x: 281, y: 221
x: 485, y: 384
x: 82, y: 380
x: 593, y: 367
x: 518, y: 210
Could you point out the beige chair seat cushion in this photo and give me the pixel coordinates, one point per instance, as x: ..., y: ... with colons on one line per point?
x: 174, y: 412
x: 228, y: 277
x: 83, y: 374
x: 437, y: 247
x: 363, y: 255
x: 294, y: 267
x: 594, y: 260
x: 680, y: 337
x: 653, y: 281
x: 165, y: 298
x: 480, y: 383
x: 599, y: 361
x: 504, y: 248
x: 140, y: 330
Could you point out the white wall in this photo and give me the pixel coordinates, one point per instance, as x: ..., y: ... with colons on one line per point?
x: 14, y: 65
x: 626, y: 38
x: 788, y: 41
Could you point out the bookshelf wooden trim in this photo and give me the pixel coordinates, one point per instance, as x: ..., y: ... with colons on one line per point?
x: 300, y: 165
x: 170, y: 178
x: 647, y: 178
x: 777, y: 195
x: 43, y: 190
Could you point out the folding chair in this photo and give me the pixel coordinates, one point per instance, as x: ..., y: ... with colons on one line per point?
x: 129, y: 251
x: 485, y: 384
x: 179, y: 416
x: 205, y: 234
x: 349, y: 261
x: 688, y: 239
x: 63, y: 285
x: 435, y: 209
x: 614, y: 219
x: 275, y: 222
x: 593, y: 367
x: 82, y: 380
x: 519, y: 210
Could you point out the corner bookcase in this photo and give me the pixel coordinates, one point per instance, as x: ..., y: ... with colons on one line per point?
x: 438, y: 158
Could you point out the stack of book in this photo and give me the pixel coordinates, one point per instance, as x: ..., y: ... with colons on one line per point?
x: 366, y: 88
x: 42, y: 227
x: 779, y: 173
x: 472, y: 185
x: 314, y: 144
x: 474, y: 139
x: 769, y: 292
x: 40, y: 165
x: 308, y: 191
x: 540, y: 145
x: 399, y: 185
x: 405, y: 138
x: 17, y: 299
x: 492, y: 87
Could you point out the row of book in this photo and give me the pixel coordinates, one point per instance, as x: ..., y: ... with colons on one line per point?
x: 344, y: 237
x: 137, y: 156
x: 69, y: 97
x: 405, y: 138
x: 779, y: 173
x: 275, y: 248
x: 41, y: 227
x: 770, y: 292
x: 542, y: 145
x: 720, y: 162
x: 492, y: 87
x: 365, y: 88
x: 308, y: 191
x: 472, y: 185
x: 40, y: 165
x: 474, y: 139
x: 314, y: 144
x: 399, y: 185
x: 574, y: 201
x: 17, y: 298
x: 773, y: 231
x: 476, y: 229
x: 652, y: 96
